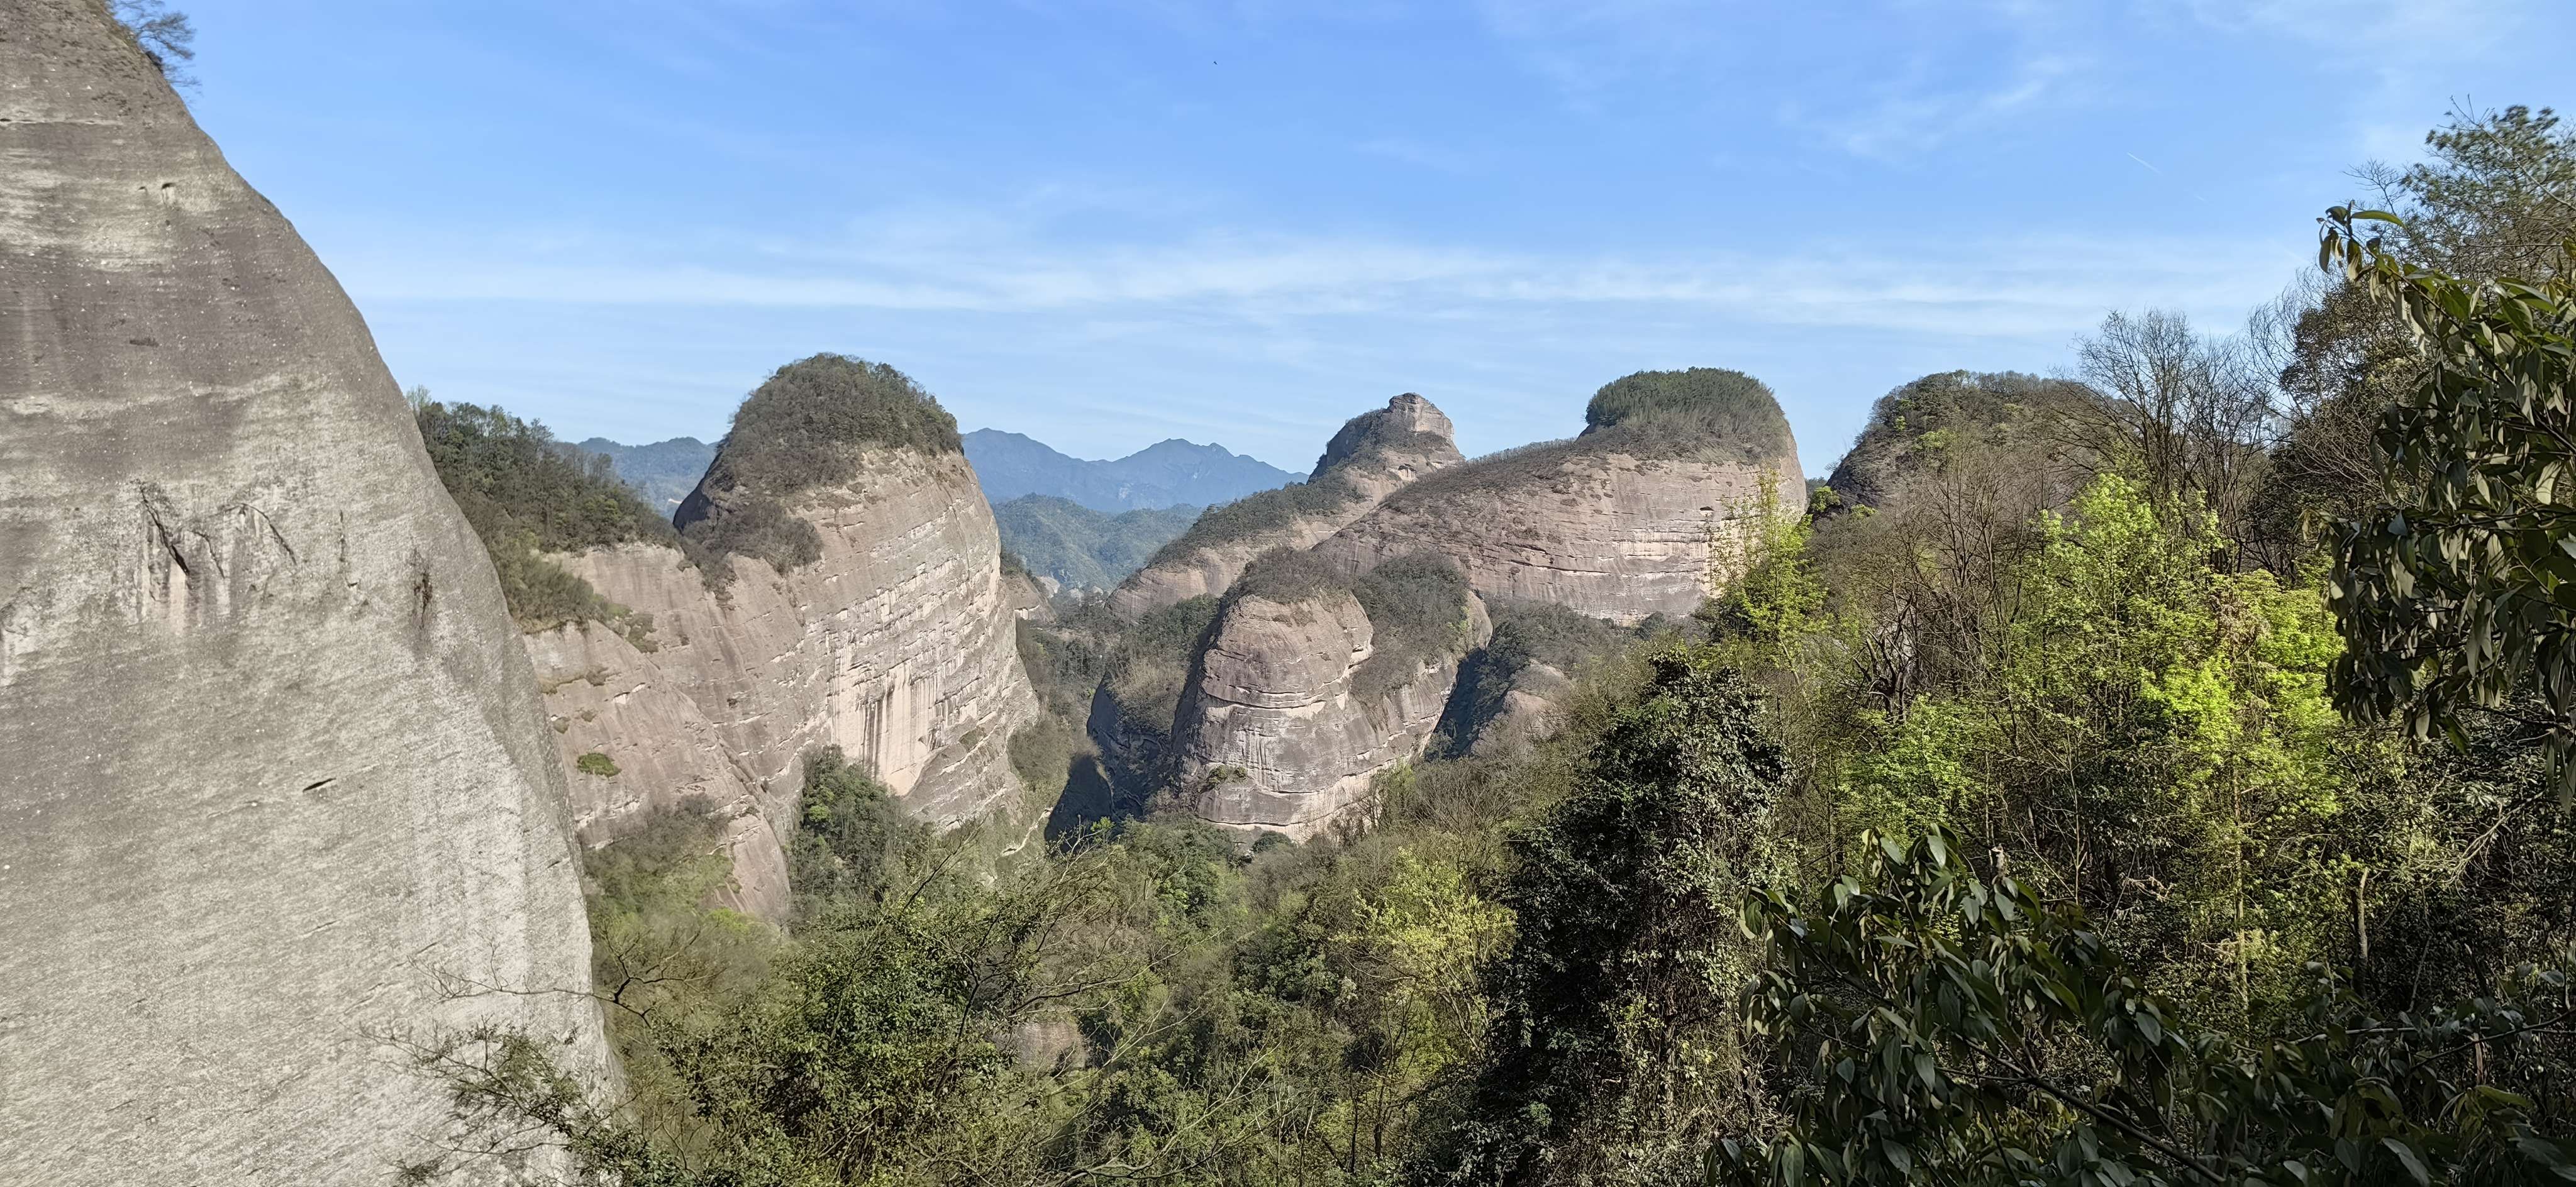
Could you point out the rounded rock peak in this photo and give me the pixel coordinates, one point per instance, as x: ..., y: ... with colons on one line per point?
x: 1408, y: 425
x: 1698, y: 404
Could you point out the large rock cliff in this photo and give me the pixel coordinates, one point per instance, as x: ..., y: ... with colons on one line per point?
x: 866, y: 608
x: 1646, y: 513
x: 1374, y: 455
x: 1308, y: 687
x: 277, y: 790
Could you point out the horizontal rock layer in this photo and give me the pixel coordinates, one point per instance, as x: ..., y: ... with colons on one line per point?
x: 1604, y: 533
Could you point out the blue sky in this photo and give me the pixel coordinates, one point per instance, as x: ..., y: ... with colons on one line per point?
x: 1104, y: 224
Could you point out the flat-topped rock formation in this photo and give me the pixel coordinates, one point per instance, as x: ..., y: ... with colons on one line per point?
x: 277, y: 787
x: 1647, y: 512
x: 1309, y: 686
x: 863, y: 606
x: 1374, y: 455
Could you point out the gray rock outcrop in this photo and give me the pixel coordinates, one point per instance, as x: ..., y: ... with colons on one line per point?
x: 276, y: 790
x: 1648, y: 512
x: 1299, y: 697
x: 896, y: 642
x: 1374, y: 455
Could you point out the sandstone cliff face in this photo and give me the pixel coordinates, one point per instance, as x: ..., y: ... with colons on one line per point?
x: 896, y: 646
x: 1603, y: 532
x: 1373, y: 456
x: 275, y: 785
x: 1281, y: 728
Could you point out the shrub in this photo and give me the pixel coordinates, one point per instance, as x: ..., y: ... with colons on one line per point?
x: 1417, y: 611
x: 1042, y: 756
x: 756, y: 526
x: 595, y: 763
x: 852, y: 839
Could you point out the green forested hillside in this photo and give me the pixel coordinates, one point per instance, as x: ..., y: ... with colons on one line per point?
x: 1080, y: 548
x: 2056, y: 810
x: 528, y: 494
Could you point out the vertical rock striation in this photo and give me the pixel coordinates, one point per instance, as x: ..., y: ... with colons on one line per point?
x: 1374, y: 455
x: 1646, y: 513
x: 868, y: 610
x: 276, y: 788
x: 1307, y: 688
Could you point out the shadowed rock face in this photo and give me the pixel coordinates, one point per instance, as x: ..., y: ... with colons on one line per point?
x: 1374, y: 455
x: 897, y: 646
x: 275, y: 783
x: 1273, y: 732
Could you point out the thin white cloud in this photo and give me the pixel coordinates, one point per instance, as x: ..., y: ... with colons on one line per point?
x: 1973, y: 289
x: 1909, y: 120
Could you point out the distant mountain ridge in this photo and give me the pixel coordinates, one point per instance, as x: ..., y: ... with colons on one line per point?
x: 1169, y: 473
x: 664, y: 472
x: 1172, y: 473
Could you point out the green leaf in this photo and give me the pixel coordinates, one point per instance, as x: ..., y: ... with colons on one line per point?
x: 2413, y: 1161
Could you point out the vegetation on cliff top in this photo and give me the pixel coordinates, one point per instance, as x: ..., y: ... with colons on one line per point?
x: 527, y: 494
x: 804, y: 427
x: 1416, y: 605
x: 1922, y: 423
x: 1688, y: 409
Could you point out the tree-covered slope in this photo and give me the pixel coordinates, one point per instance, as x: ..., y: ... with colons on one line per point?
x: 664, y: 472
x: 1081, y: 548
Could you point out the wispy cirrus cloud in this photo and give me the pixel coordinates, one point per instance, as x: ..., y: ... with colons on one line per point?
x: 1992, y: 287
x: 1913, y: 116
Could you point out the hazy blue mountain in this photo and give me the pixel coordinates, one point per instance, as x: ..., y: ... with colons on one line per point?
x: 664, y: 471
x: 1169, y: 474
x: 1082, y: 548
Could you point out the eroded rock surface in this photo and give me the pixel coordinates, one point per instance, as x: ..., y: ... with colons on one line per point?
x: 1283, y: 728
x: 1608, y: 534
x: 896, y: 645
x: 1648, y: 512
x: 277, y: 789
x: 1374, y: 455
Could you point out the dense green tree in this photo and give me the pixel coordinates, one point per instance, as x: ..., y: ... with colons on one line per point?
x: 1970, y: 1032
x: 1613, y: 1055
x: 2458, y: 591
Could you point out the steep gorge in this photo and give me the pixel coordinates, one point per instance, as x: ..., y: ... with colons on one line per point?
x: 277, y: 797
